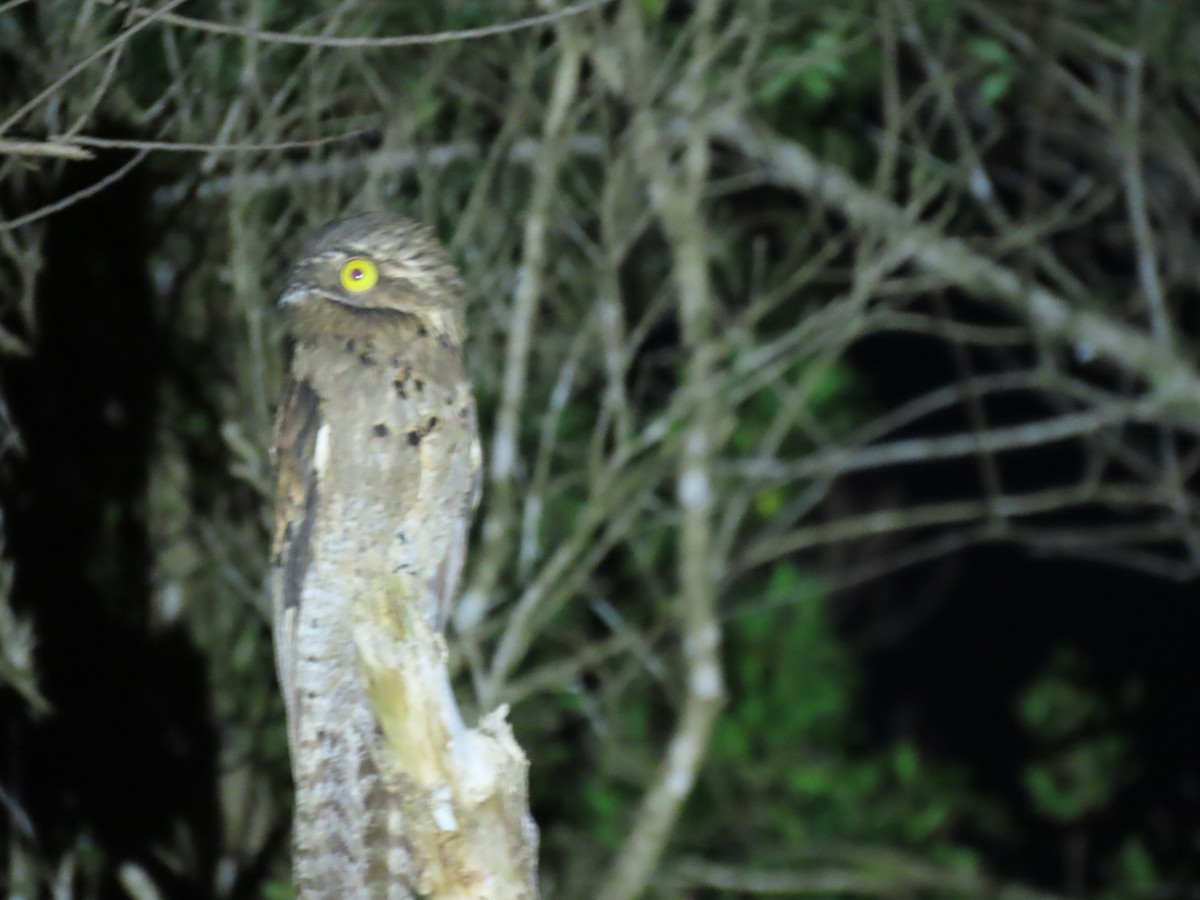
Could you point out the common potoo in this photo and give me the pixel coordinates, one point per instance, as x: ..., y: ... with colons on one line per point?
x: 378, y: 475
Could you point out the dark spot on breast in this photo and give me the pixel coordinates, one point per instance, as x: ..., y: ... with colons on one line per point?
x: 444, y: 342
x: 418, y: 434
x: 449, y: 399
x: 422, y: 331
x: 403, y: 378
x: 380, y: 430
x: 394, y: 360
x: 367, y: 358
x: 350, y: 345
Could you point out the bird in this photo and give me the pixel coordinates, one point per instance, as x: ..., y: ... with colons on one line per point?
x: 377, y: 478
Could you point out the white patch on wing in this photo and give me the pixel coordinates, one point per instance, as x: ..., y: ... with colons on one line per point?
x: 321, y: 452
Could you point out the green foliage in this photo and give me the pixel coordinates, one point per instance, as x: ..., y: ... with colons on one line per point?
x: 997, y: 65
x: 938, y: 13
x: 831, y: 392
x: 816, y: 66
x: 787, y: 778
x: 786, y: 759
x: 1083, y: 758
x: 813, y: 72
x: 1135, y: 873
x: 277, y: 890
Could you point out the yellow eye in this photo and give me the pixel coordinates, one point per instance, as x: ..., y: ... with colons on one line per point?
x: 359, y: 274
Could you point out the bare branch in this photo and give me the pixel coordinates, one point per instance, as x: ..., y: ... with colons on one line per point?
x: 1172, y: 378
x: 406, y: 40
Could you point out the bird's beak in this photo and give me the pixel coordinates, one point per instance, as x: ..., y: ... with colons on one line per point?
x: 295, y: 293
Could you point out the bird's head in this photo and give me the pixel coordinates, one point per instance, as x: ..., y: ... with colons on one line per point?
x: 371, y: 264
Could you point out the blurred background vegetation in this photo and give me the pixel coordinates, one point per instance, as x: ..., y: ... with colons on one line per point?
x: 834, y: 359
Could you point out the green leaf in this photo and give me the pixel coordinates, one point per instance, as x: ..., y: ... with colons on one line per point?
x: 907, y: 762
x: 994, y: 87
x: 654, y: 9
x: 1137, y: 865
x: 768, y: 503
x: 277, y: 890
x: 812, y: 781
x: 989, y: 50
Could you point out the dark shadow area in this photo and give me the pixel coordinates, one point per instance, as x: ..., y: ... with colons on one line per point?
x: 128, y: 753
x: 950, y: 646
x: 954, y: 683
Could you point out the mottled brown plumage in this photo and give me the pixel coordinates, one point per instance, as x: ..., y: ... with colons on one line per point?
x: 378, y: 473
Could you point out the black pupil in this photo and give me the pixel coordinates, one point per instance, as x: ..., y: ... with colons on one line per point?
x: 356, y: 274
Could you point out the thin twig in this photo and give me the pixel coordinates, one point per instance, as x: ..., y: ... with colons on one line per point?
x: 374, y: 43
x: 82, y: 194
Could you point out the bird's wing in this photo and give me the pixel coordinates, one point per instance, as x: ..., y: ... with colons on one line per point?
x: 468, y: 463
x: 296, y: 429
